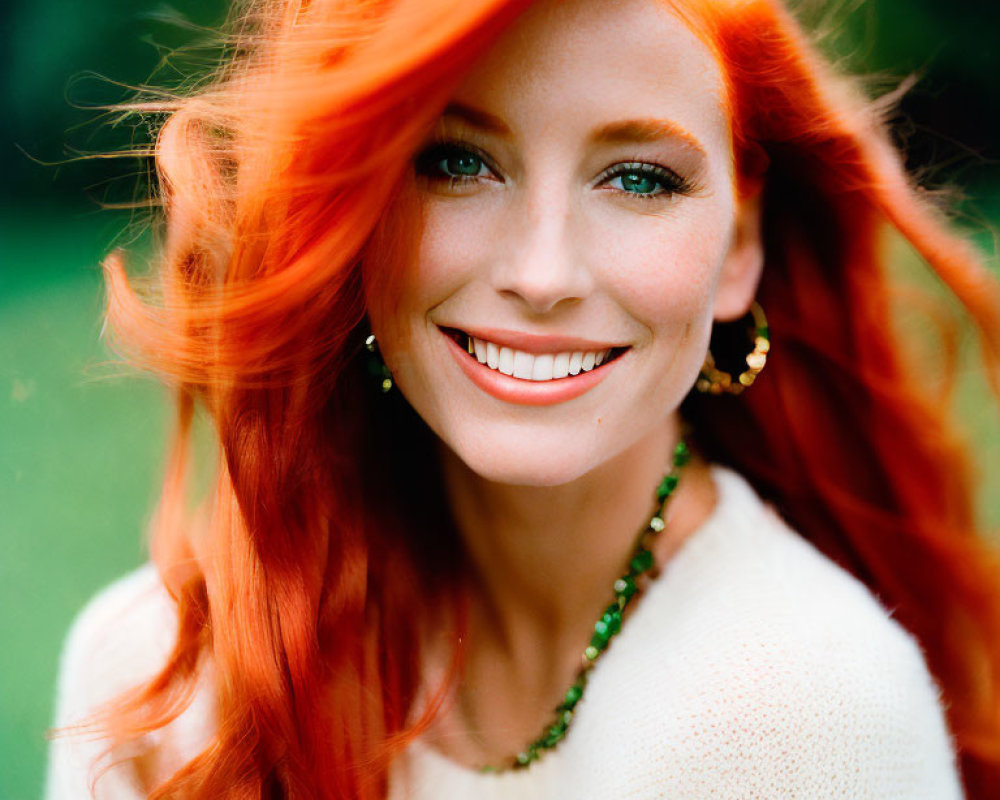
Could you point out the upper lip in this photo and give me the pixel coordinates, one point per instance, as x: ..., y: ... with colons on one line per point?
x: 533, y: 342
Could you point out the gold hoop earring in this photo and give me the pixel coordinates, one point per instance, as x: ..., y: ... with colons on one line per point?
x: 713, y: 380
x: 376, y: 366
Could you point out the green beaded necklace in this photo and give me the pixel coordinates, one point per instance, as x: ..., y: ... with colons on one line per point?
x: 610, y: 623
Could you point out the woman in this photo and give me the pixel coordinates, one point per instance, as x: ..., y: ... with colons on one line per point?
x: 557, y: 226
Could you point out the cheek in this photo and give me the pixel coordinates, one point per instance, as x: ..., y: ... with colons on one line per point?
x: 430, y: 250
x: 449, y: 246
x: 389, y: 264
x: 665, y: 268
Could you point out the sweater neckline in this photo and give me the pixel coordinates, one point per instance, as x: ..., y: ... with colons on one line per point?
x: 429, y: 761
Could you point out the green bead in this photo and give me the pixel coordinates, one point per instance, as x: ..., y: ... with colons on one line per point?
x: 591, y: 652
x: 666, y: 487
x: 526, y: 757
x: 555, y: 734
x: 625, y: 587
x: 599, y: 641
x: 642, y: 561
x: 573, y: 695
x: 681, y: 454
x: 601, y: 635
x: 613, y: 619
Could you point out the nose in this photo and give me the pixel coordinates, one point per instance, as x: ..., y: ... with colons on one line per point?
x: 541, y: 265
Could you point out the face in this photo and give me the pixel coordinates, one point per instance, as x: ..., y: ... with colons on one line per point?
x: 580, y: 231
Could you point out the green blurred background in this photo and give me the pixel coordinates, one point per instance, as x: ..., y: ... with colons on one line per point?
x: 81, y: 446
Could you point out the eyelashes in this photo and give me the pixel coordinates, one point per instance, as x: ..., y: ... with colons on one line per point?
x: 453, y: 161
x: 462, y: 164
x: 634, y: 176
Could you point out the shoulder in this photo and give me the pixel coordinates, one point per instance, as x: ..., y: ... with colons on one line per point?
x: 121, y: 639
x: 748, y: 571
x: 770, y: 582
x: 757, y: 650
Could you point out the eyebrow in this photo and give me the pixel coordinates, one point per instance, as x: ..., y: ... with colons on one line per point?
x: 480, y: 119
x: 642, y: 131
x: 630, y: 131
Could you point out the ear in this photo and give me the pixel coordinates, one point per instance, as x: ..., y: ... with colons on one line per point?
x: 744, y: 262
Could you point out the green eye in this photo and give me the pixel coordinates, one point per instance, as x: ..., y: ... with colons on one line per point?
x: 465, y: 164
x: 638, y: 183
x: 645, y: 181
x: 444, y: 161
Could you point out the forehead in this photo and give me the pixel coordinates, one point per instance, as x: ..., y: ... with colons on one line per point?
x: 601, y: 60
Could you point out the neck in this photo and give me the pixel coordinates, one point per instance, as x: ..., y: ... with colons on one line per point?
x: 543, y: 558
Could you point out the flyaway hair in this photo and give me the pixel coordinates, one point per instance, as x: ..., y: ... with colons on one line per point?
x: 306, y: 579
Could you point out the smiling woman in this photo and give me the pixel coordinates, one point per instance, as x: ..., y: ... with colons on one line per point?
x: 578, y: 202
x: 536, y: 539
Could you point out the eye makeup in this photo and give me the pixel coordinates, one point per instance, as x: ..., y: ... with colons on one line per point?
x: 637, y: 173
x: 428, y: 163
x: 459, y: 162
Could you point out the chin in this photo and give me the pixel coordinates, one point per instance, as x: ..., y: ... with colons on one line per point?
x: 530, y: 456
x: 515, y: 470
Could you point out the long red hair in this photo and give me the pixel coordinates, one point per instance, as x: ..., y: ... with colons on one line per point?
x: 304, y: 578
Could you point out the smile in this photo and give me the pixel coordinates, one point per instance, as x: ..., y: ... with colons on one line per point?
x: 530, y: 370
x: 531, y: 367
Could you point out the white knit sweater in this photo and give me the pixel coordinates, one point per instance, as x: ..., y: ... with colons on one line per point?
x: 754, y: 668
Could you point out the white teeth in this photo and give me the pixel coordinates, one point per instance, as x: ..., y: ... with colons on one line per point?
x: 506, y: 361
x: 560, y: 366
x: 542, y: 369
x: 523, y: 363
x: 535, y: 367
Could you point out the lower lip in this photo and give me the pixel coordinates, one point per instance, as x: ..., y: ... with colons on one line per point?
x: 525, y: 392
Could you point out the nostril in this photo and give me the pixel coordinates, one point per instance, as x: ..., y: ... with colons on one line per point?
x: 542, y: 280
x: 539, y: 300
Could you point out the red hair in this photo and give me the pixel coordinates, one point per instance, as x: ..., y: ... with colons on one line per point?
x: 306, y: 581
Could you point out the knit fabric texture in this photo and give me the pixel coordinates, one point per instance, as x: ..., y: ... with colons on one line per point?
x: 753, y: 668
